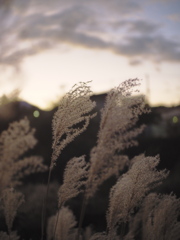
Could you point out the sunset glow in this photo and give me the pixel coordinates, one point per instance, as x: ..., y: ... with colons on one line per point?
x: 46, y: 47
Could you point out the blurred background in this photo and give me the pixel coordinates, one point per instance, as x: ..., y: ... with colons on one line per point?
x: 48, y: 46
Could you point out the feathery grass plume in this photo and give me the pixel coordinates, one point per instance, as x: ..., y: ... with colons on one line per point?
x: 104, y: 236
x: 116, y: 133
x: 27, y: 166
x: 87, y: 233
x: 130, y: 189
x: 66, y: 225
x: 5, y: 236
x: 99, y: 236
x: 160, y: 217
x: 134, y: 226
x: 14, y: 142
x: 75, y: 175
x: 11, y: 201
x: 72, y: 118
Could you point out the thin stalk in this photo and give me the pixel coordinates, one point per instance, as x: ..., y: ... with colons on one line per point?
x: 57, y: 218
x: 83, y: 209
x: 44, y: 209
x: 122, y: 230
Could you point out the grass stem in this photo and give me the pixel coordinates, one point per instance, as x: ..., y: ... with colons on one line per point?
x: 83, y: 209
x: 44, y: 209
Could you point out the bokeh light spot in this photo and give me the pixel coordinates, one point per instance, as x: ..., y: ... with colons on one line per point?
x: 36, y: 114
x: 175, y: 119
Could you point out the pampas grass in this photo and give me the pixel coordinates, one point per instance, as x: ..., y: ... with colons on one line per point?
x: 133, y: 210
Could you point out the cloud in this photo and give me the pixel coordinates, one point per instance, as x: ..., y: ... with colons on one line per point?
x: 139, y: 27
x: 122, y: 8
x: 5, y: 3
x: 154, y: 48
x: 29, y: 27
x: 143, y: 27
x: 167, y: 1
x: 174, y: 17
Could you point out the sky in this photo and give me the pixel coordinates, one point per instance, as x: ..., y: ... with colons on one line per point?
x: 48, y: 46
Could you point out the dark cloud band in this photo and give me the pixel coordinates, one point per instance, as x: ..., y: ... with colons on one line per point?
x: 28, y: 27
